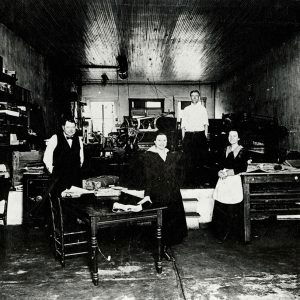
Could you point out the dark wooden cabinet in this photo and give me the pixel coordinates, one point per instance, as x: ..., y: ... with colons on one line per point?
x: 270, y: 194
x: 35, y: 204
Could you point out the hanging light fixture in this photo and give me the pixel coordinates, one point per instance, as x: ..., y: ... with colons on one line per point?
x: 104, y: 79
x: 122, y: 66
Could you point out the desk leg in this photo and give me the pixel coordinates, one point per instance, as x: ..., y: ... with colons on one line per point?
x: 247, y: 223
x: 158, y: 236
x: 94, y: 252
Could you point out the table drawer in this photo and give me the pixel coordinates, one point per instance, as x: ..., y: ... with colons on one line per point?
x: 275, y: 178
x: 275, y: 204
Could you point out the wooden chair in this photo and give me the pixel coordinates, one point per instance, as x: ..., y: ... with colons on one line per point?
x: 4, y: 191
x: 67, y: 243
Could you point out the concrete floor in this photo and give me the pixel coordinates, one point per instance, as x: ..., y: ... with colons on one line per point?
x: 267, y: 268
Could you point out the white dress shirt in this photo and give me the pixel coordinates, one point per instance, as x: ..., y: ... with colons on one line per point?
x: 51, y: 145
x: 194, y: 118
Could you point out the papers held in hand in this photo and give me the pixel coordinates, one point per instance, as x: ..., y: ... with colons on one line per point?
x: 75, y: 192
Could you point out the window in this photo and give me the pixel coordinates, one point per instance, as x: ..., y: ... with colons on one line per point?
x: 146, y: 107
x: 102, y: 117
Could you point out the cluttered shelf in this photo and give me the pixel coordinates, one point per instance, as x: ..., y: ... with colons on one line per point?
x: 7, y: 84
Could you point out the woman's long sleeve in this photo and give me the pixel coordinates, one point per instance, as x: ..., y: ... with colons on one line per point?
x: 241, y: 162
x: 238, y: 163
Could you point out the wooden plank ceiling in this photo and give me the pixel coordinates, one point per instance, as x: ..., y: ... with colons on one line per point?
x: 162, y: 40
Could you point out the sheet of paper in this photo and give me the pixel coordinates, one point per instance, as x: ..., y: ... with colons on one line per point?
x: 137, y: 193
x: 75, y: 191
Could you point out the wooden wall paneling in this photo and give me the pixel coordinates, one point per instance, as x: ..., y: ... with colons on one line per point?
x: 276, y: 89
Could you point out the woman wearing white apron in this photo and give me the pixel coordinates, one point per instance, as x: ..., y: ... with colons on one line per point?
x: 228, y: 193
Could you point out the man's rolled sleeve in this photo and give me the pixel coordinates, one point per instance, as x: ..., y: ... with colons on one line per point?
x: 81, y: 152
x: 48, y: 155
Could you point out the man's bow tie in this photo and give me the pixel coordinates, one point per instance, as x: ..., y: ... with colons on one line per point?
x: 69, y: 138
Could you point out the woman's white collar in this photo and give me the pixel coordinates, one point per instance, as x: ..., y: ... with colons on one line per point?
x: 154, y: 149
x: 235, y: 151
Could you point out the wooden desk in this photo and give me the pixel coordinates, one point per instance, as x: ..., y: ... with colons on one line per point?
x: 97, y: 213
x: 270, y: 193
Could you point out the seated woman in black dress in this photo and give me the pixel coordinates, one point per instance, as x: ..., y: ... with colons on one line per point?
x: 228, y: 193
x: 162, y: 187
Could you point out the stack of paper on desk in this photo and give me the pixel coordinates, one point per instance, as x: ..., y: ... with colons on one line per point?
x: 109, y: 192
x: 75, y: 192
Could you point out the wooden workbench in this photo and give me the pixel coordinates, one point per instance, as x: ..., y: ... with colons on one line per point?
x: 268, y: 193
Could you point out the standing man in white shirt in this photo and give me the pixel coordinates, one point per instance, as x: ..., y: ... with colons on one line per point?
x: 64, y: 157
x: 194, y: 132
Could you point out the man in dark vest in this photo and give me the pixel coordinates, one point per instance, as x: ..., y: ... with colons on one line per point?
x: 64, y: 157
